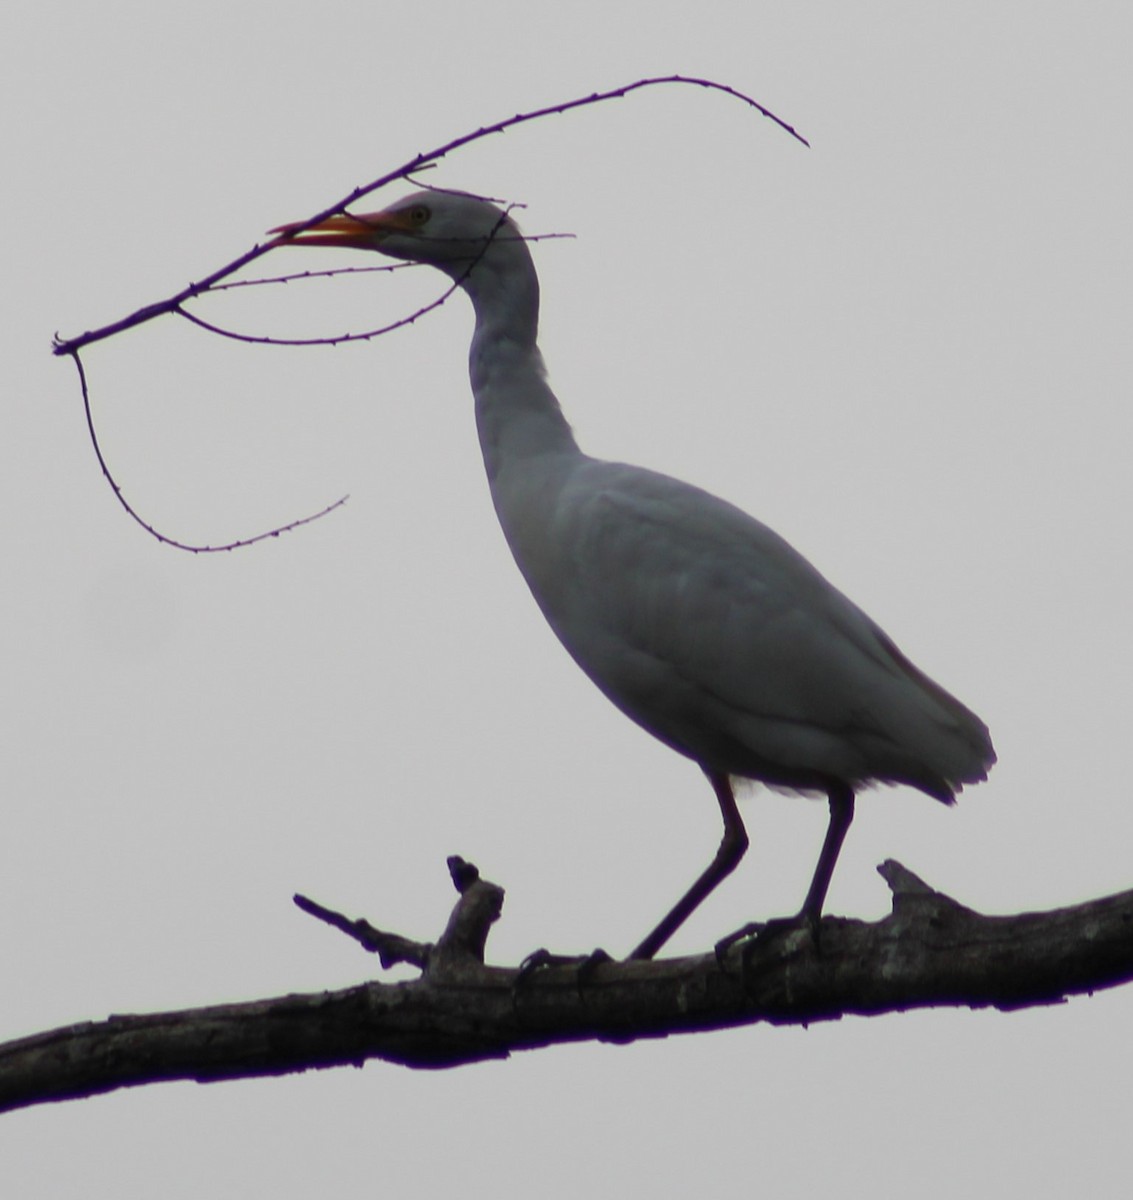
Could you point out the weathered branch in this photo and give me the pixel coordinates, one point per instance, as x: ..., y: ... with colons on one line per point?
x: 930, y: 951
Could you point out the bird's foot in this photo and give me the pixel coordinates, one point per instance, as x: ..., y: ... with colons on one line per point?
x: 541, y: 960
x: 758, y: 936
x: 723, y: 946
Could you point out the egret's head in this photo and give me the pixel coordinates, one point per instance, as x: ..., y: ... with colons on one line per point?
x: 449, y: 230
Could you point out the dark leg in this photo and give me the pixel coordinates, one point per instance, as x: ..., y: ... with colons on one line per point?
x: 841, y: 814
x: 732, y: 848
x: 841, y: 798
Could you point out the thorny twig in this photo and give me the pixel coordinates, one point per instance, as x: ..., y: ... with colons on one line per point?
x: 152, y: 530
x: 421, y: 162
x: 213, y: 282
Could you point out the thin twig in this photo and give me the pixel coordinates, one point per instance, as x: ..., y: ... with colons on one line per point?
x: 391, y: 948
x: 334, y: 340
x: 340, y: 338
x: 161, y: 537
x: 212, y: 282
x: 421, y: 162
x: 300, y: 276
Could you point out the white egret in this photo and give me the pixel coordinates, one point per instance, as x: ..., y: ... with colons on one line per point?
x: 698, y: 622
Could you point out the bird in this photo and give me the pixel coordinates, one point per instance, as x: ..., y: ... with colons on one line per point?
x: 697, y: 621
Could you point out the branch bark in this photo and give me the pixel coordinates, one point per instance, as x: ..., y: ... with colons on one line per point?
x: 929, y: 951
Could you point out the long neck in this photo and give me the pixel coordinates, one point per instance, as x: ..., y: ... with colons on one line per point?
x: 517, y: 414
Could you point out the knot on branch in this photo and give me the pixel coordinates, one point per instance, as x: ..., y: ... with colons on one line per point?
x: 916, y: 902
x: 461, y: 946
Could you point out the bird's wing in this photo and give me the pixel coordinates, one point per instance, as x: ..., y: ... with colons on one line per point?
x: 700, y: 622
x: 690, y: 579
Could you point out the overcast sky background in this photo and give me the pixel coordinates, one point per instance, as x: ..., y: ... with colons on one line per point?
x: 907, y: 349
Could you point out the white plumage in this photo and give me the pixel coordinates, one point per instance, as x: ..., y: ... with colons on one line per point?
x: 698, y: 622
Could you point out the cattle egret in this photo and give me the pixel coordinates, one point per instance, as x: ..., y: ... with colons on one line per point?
x: 698, y: 622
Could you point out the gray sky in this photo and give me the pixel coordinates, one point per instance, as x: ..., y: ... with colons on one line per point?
x: 907, y: 349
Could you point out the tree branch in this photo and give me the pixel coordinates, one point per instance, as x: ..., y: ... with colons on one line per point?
x: 214, y: 282
x: 152, y: 530
x: 420, y: 162
x: 929, y: 952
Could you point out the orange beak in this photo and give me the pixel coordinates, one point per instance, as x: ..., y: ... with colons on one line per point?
x: 362, y: 232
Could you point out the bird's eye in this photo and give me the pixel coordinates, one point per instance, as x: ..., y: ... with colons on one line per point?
x: 419, y: 214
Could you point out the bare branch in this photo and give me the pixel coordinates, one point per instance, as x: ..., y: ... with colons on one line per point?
x: 150, y: 529
x: 302, y: 276
x: 213, y: 282
x: 391, y: 948
x: 929, y: 952
x: 334, y: 340
x: 421, y: 162
x: 279, y: 529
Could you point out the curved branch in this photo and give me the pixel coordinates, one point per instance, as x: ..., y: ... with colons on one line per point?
x: 337, y: 339
x: 929, y: 952
x: 132, y: 512
x: 419, y: 163
x: 213, y: 282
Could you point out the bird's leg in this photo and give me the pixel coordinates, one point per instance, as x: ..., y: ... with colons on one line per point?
x: 841, y: 814
x: 732, y: 848
x: 841, y: 798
